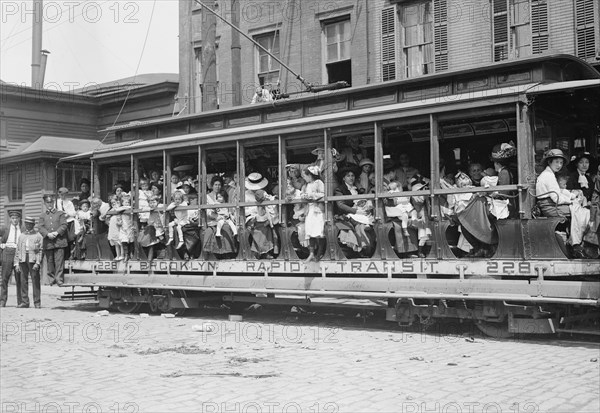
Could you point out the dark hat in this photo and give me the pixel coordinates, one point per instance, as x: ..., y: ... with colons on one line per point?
x: 84, y: 201
x: 349, y: 167
x: 49, y: 197
x: 554, y: 153
x: 29, y: 220
x: 14, y: 212
x: 84, y: 181
x: 503, y: 151
x: 576, y: 158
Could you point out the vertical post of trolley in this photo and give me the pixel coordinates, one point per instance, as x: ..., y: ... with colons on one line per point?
x: 167, y: 167
x: 434, y: 160
x: 525, y: 158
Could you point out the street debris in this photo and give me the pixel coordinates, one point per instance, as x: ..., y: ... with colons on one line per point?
x: 417, y: 358
x: 168, y: 315
x: 452, y: 364
x: 204, y: 328
x: 182, y: 349
x: 144, y: 315
x: 594, y: 360
x: 102, y: 313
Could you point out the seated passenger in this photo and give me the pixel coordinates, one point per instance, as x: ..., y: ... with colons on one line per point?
x: 477, y: 232
x: 580, y: 178
x: 549, y: 198
x: 404, y: 171
x: 225, y: 245
x: 593, y: 235
x: 356, y: 236
x: 367, y: 167
x: 475, y: 173
x: 580, y: 216
x: 421, y: 220
x: 504, y: 157
x: 223, y: 215
x: 261, y: 219
x: 400, y: 207
x: 153, y: 232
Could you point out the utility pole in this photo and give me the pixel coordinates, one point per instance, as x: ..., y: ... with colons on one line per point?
x: 209, y: 60
x: 236, y: 55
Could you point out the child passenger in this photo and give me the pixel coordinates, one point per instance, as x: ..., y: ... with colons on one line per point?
x: 314, y: 223
x: 154, y: 232
x: 126, y: 233
x: 115, y: 221
x: 144, y: 194
x: 181, y: 217
x: 401, y: 208
x: 223, y: 216
x: 83, y: 225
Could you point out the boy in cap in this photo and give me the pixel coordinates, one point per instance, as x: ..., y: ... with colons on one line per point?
x: 28, y: 260
x: 8, y: 244
x: 53, y: 227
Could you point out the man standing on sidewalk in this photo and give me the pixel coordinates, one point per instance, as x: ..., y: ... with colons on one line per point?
x: 8, y: 243
x: 53, y: 227
x: 28, y: 260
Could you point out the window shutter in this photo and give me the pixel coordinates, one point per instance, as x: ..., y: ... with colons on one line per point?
x: 539, y: 26
x: 388, y: 44
x: 500, y: 29
x: 584, y: 23
x: 440, y: 23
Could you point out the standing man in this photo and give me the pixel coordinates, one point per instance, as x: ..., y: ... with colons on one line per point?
x: 8, y: 243
x: 53, y: 227
x: 28, y: 260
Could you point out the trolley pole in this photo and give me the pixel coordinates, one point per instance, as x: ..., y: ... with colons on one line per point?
x: 236, y: 55
x: 209, y: 60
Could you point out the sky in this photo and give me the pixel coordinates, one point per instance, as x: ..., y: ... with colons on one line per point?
x: 90, y: 42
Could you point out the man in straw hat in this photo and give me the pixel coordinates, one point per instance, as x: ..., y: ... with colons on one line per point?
x: 8, y: 244
x: 53, y: 227
x: 28, y: 260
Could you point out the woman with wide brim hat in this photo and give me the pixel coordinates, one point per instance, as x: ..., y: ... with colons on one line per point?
x: 580, y: 176
x: 356, y: 238
x: 263, y: 238
x: 549, y: 198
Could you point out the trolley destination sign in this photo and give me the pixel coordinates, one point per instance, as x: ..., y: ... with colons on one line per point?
x: 354, y: 267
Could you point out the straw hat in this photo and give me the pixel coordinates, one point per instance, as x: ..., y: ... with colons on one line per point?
x: 554, y: 153
x: 29, y: 220
x: 503, y: 151
x: 256, y: 181
x: 366, y: 161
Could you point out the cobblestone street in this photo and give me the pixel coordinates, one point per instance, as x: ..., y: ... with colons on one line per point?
x: 66, y: 357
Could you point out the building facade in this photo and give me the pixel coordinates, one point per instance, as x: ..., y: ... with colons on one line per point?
x: 371, y: 41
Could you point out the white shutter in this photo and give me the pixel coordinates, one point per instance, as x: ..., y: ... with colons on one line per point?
x: 586, y: 32
x: 539, y: 26
x: 440, y: 34
x: 388, y: 44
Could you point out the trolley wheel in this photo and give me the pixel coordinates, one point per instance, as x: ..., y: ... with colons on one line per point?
x: 495, y: 330
x: 127, y: 308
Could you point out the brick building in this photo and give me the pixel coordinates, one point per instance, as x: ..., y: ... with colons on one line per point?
x: 371, y: 41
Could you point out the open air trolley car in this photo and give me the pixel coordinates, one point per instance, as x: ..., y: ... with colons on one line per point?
x: 526, y: 284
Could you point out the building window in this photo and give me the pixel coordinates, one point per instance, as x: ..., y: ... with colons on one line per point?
x: 520, y: 29
x: 416, y: 20
x: 3, y: 134
x: 70, y: 177
x: 268, y: 68
x: 15, y: 185
x: 586, y: 31
x: 338, y: 63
